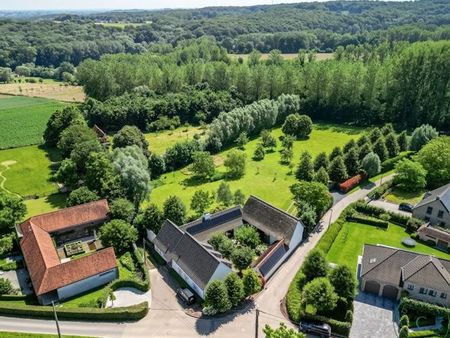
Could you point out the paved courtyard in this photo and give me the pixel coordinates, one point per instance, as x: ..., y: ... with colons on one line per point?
x: 18, y: 279
x: 373, y: 317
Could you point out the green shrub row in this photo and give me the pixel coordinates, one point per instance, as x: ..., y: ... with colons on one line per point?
x: 145, y: 284
x: 342, y: 328
x: 390, y: 163
x: 129, y: 313
x: 293, y: 296
x: 422, y: 334
x: 394, y: 217
x: 414, y: 308
x: 369, y: 221
x: 381, y: 190
x: 330, y: 235
x: 10, y: 266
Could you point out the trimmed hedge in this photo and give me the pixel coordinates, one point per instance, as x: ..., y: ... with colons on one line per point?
x: 330, y: 235
x: 294, y: 296
x: 129, y: 313
x: 381, y: 190
x: 390, y: 164
x: 394, y: 217
x: 422, y: 334
x: 413, y: 308
x: 369, y: 221
x: 342, y: 328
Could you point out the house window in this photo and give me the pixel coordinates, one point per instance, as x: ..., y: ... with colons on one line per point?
x: 427, y: 219
x: 443, y: 295
x: 441, y: 213
x: 410, y: 287
x: 432, y: 293
x: 423, y: 291
x: 429, y: 210
x: 442, y: 224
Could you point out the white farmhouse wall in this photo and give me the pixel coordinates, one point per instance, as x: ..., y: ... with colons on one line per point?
x: 87, y: 284
x: 151, y: 235
x: 295, y: 241
x: 187, y: 279
x: 221, y: 272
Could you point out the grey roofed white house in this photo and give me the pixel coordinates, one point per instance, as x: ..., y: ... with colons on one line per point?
x: 194, y: 261
x: 271, y: 220
x: 387, y: 271
x: 435, y: 207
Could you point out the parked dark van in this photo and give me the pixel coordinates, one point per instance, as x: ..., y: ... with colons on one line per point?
x: 321, y: 329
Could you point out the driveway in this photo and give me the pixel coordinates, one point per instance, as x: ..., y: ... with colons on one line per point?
x: 389, y: 206
x: 128, y: 297
x: 18, y: 279
x: 373, y: 316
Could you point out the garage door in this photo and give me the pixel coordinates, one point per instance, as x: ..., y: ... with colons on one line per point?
x: 372, y: 287
x: 390, y: 291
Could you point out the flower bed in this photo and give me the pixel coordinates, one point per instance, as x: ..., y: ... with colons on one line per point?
x: 75, y: 248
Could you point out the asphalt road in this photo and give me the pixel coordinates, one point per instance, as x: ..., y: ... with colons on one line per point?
x: 167, y: 318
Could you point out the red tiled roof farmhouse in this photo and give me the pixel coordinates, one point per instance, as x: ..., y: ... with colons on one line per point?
x: 69, y: 217
x: 47, y: 273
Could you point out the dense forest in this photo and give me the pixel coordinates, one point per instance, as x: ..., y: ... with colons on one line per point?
x: 51, y: 39
x: 406, y: 84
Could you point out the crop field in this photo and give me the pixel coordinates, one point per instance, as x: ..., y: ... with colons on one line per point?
x: 23, y: 119
x: 27, y: 170
x: 160, y: 141
x: 268, y: 179
x: 286, y: 56
x: 49, y: 90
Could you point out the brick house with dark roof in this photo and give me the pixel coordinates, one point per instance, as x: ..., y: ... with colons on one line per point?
x: 52, y: 277
x: 387, y: 271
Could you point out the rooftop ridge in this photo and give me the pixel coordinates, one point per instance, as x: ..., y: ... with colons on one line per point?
x: 273, y: 207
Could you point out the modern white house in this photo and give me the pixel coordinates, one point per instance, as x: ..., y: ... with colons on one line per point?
x: 197, y: 263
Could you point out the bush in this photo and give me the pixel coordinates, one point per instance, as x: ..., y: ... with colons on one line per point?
x: 5, y: 286
x: 413, y: 224
x: 369, y: 221
x: 422, y: 334
x: 120, y: 314
x: 381, y: 190
x: 404, y: 321
x: 414, y: 308
x: 349, y: 316
x: 6, y: 244
x: 251, y: 281
x: 216, y: 296
x: 247, y: 235
x: 127, y: 261
x: 118, y: 234
x: 315, y: 265
x: 404, y: 332
x: 390, y: 164
x: 242, y: 257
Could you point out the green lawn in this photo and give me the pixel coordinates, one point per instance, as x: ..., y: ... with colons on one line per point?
x: 398, y: 196
x: 23, y: 119
x: 45, y: 204
x: 160, y: 141
x: 267, y: 179
x: 27, y: 170
x: 5, y: 334
x: 348, y: 245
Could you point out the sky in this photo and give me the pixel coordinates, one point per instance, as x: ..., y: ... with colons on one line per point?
x: 128, y: 4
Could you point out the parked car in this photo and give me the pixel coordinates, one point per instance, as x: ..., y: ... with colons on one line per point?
x: 186, y: 296
x: 406, y: 207
x: 322, y: 329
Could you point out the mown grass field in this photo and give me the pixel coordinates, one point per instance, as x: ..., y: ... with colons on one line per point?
x: 399, y: 196
x: 27, y: 170
x: 37, y: 206
x: 348, y: 245
x: 49, y: 89
x: 23, y: 119
x: 268, y: 179
x: 160, y: 141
